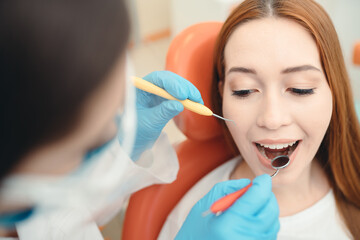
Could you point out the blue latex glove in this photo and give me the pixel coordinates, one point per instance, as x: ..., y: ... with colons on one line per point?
x: 154, y: 112
x: 254, y: 216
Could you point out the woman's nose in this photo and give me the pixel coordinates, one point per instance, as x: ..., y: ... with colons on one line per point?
x: 273, y: 113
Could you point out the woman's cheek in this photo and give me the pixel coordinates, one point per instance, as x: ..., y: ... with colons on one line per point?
x: 242, y: 120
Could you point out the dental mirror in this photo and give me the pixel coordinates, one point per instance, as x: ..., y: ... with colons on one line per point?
x: 279, y: 162
x: 225, y: 202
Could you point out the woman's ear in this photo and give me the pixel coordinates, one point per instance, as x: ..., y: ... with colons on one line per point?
x: 221, y: 88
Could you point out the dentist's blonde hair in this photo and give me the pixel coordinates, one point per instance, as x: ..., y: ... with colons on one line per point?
x: 339, y: 153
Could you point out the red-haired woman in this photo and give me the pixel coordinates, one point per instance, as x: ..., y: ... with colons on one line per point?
x: 280, y: 75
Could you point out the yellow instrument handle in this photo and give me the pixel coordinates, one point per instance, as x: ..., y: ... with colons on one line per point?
x: 188, y: 104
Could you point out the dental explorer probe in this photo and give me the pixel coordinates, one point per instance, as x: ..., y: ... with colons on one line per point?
x: 225, y: 202
x: 188, y: 104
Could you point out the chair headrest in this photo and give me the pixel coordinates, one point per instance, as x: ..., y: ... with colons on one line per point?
x: 190, y: 55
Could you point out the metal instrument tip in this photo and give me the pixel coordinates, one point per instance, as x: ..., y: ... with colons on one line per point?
x: 225, y: 119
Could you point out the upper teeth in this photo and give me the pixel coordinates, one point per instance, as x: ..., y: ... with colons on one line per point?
x: 277, y: 146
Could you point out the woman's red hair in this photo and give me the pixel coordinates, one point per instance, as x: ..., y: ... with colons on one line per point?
x: 339, y: 152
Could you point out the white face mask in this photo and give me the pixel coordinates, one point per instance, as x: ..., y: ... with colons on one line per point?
x: 95, y: 185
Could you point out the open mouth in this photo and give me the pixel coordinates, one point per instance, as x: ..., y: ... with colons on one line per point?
x: 273, y: 150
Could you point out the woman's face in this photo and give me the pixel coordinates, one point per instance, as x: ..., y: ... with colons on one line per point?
x: 276, y: 92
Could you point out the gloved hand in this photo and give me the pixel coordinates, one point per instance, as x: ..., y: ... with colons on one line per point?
x: 255, y: 215
x: 154, y: 112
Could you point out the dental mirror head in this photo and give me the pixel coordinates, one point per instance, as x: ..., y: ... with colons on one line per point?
x: 279, y: 162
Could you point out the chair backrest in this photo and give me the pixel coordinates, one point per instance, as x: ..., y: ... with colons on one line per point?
x: 191, y: 56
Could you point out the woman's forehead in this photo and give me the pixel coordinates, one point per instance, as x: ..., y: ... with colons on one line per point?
x: 271, y: 41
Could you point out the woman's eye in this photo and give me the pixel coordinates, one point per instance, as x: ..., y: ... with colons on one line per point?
x: 242, y: 93
x: 302, y: 92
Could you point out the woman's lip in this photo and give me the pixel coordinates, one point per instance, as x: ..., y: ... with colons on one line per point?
x: 267, y: 163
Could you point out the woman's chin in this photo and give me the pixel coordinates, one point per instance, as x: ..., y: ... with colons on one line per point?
x: 288, y: 178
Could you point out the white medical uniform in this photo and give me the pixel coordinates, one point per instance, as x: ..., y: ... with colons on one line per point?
x: 155, y: 166
x: 320, y: 221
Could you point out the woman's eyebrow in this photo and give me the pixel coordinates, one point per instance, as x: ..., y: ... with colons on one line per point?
x: 306, y: 67
x: 300, y: 68
x: 242, y: 69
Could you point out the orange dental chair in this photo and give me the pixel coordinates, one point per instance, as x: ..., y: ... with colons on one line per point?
x: 191, y: 56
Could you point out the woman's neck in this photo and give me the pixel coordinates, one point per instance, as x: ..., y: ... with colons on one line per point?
x: 296, y: 196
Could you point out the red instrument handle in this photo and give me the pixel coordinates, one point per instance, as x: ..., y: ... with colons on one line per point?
x: 225, y: 202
